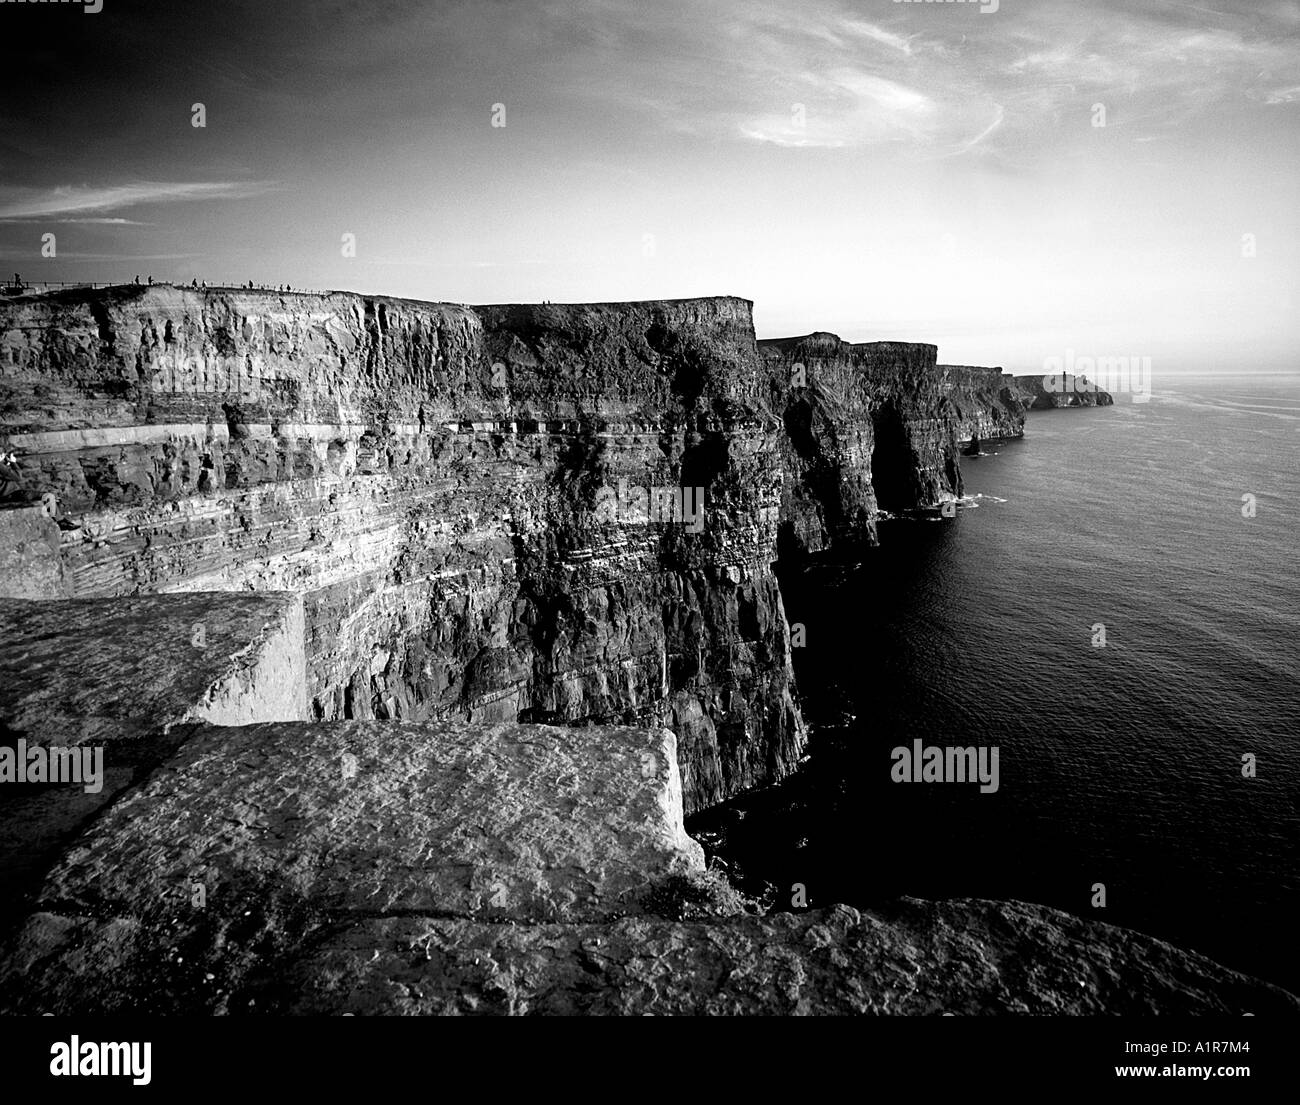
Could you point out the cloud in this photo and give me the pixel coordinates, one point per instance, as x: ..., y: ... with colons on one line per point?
x: 1167, y: 64
x: 73, y: 200
x: 72, y: 222
x: 879, y: 34
x: 103, y: 222
x: 937, y: 82
x: 971, y: 143
x: 846, y: 107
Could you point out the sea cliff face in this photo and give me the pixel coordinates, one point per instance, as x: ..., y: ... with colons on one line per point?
x: 868, y: 427
x: 452, y: 490
x: 988, y: 403
x: 457, y: 492
x: 1047, y: 392
x: 410, y: 632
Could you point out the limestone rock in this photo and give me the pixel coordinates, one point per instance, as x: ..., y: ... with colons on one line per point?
x: 30, y: 565
x: 988, y: 403
x: 123, y: 675
x: 250, y: 839
x: 398, y: 519
x: 137, y: 664
x: 869, y: 427
x: 1063, y: 390
x: 428, y: 476
x: 915, y: 958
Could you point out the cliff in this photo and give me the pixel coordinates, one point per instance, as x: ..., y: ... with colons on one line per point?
x: 1047, y: 392
x: 868, y: 427
x: 454, y: 492
x: 410, y: 632
x: 988, y: 403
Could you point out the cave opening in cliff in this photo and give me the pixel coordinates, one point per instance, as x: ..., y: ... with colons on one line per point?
x: 893, y: 463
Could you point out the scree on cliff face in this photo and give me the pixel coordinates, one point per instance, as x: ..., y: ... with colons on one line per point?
x: 336, y: 582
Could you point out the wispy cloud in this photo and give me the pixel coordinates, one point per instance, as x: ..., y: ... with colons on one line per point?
x: 939, y: 82
x: 879, y: 34
x: 102, y: 222
x: 74, y: 200
x: 74, y: 222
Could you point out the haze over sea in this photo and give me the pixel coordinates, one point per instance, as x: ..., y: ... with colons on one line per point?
x: 1119, y: 765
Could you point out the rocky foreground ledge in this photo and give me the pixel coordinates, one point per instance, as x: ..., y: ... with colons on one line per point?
x: 241, y: 862
x: 451, y: 868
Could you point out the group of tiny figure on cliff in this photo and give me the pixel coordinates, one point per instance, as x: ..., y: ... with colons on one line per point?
x: 197, y: 283
x: 17, y: 285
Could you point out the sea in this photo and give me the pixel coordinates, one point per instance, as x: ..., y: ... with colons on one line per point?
x: 1116, y: 609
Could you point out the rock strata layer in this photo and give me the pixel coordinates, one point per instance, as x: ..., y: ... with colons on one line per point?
x: 481, y: 507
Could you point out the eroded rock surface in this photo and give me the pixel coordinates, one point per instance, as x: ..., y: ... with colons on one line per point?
x: 77, y: 669
x: 964, y: 957
x: 453, y: 868
x: 122, y: 675
x: 251, y: 838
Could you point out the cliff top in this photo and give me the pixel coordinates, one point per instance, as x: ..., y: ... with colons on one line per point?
x: 131, y: 291
x: 822, y: 340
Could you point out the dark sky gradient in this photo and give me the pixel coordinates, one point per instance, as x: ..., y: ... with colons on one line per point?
x: 943, y: 181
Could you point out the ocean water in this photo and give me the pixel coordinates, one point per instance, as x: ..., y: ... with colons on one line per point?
x: 1120, y: 765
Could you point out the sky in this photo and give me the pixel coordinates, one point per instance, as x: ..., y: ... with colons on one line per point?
x: 881, y: 170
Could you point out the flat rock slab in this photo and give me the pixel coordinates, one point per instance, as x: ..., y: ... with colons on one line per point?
x: 918, y: 958
x: 121, y: 673
x: 121, y: 667
x: 251, y: 838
